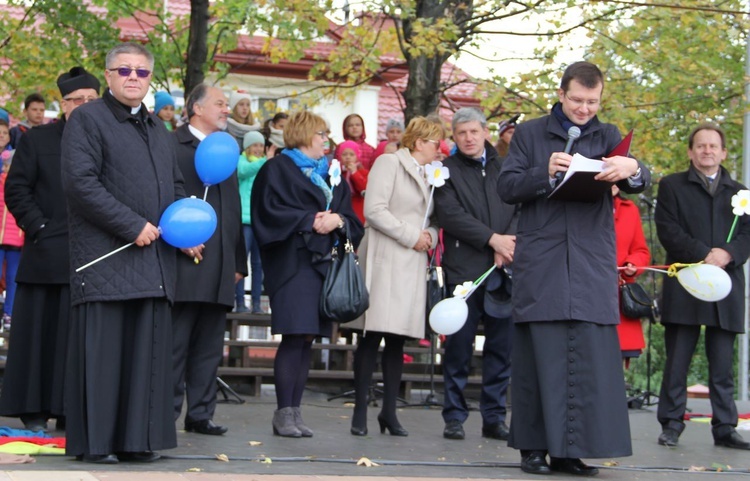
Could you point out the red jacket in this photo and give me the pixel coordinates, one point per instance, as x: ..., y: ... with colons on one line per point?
x: 357, y: 185
x: 10, y: 233
x: 632, y: 248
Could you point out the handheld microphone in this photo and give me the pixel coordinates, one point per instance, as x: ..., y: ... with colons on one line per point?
x: 573, y: 134
x: 646, y: 200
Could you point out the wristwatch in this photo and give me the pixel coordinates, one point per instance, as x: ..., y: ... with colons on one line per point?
x: 637, y: 173
x: 341, y: 222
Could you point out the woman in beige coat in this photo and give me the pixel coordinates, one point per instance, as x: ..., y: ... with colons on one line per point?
x: 394, y: 260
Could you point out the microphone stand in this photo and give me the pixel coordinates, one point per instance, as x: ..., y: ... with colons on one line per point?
x: 647, y: 397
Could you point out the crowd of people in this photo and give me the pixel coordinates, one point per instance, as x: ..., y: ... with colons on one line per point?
x: 135, y: 337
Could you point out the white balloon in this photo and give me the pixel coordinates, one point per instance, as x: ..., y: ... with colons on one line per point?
x: 706, y: 282
x: 449, y: 315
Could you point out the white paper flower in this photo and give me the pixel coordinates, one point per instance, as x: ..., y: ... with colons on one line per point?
x: 334, y: 173
x: 463, y: 290
x: 741, y: 203
x: 436, y: 173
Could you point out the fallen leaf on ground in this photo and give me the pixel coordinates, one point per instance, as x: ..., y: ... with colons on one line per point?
x: 363, y: 461
x: 222, y: 457
x: 194, y: 470
x: 255, y: 443
x: 266, y: 461
x: 697, y: 468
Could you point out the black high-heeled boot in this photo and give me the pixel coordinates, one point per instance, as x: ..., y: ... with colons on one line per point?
x: 393, y: 366
x: 364, y: 365
x: 393, y: 427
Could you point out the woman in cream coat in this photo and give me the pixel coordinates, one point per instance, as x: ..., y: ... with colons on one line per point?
x: 393, y: 254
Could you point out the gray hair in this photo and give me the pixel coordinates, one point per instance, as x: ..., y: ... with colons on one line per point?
x: 128, y: 48
x: 468, y: 114
x: 196, y: 96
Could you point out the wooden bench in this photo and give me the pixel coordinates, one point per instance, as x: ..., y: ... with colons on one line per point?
x: 264, y: 375
x: 252, y: 360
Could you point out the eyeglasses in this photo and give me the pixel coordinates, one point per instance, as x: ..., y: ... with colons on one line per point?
x: 580, y: 102
x: 79, y: 100
x: 126, y: 71
x: 436, y: 142
x: 322, y: 133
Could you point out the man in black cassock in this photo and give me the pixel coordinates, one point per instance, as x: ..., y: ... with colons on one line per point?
x: 35, y: 370
x: 568, y: 386
x: 119, y: 174
x: 205, y: 290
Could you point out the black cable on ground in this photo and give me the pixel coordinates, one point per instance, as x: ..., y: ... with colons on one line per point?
x: 447, y: 464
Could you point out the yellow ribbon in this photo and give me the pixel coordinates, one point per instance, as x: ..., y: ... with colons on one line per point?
x: 672, y: 269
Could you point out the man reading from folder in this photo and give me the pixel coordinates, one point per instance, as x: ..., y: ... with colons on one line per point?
x: 568, y: 387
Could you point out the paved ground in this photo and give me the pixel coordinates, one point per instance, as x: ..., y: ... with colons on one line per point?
x: 332, y: 453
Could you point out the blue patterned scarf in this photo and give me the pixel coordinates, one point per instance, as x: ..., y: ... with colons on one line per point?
x: 313, y: 170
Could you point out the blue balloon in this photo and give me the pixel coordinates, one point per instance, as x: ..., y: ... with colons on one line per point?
x: 216, y: 157
x: 188, y: 223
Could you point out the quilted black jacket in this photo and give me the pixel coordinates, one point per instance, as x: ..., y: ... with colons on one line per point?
x: 118, y: 171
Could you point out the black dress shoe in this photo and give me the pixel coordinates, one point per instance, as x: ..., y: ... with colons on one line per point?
x: 98, y: 458
x: 535, y: 463
x: 454, y: 430
x: 358, y: 431
x: 140, y: 457
x: 572, y: 466
x: 496, y: 431
x: 205, y: 426
x: 732, y: 440
x: 669, y: 437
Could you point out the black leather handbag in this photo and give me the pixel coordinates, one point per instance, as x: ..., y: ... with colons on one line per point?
x: 344, y: 296
x: 635, y: 301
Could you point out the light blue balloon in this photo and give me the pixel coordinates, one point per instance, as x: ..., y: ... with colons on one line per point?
x: 216, y: 158
x: 188, y: 223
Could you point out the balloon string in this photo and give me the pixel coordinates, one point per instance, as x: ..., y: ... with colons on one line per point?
x: 479, y: 281
x: 484, y: 276
x: 104, y: 257
x: 205, y: 192
x: 670, y: 270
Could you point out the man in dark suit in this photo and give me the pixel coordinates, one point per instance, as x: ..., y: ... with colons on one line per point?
x: 693, y: 220
x: 34, y: 374
x: 206, y: 274
x: 477, y: 233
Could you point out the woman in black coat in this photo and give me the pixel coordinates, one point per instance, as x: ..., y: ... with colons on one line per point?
x: 296, y: 216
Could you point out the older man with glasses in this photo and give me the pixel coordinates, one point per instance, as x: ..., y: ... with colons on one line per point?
x: 33, y: 379
x: 119, y: 173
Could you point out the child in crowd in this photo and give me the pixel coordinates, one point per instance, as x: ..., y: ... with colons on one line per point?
x: 354, y: 130
x: 242, y: 120
x: 4, y: 135
x: 164, y: 109
x: 251, y: 160
x: 273, y: 129
x: 11, y: 240
x: 355, y: 174
x: 394, y: 130
x: 33, y: 109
